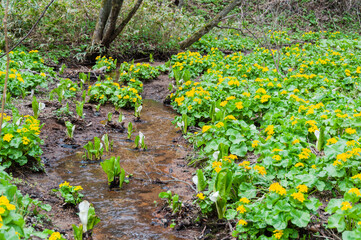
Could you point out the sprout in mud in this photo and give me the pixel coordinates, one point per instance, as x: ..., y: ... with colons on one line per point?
x: 110, y: 116
x: 173, y: 200
x: 79, y: 108
x: 69, y: 129
x: 130, y: 130
x: 88, y: 220
x: 37, y: 107
x: 97, y: 107
x: 199, y: 180
x: 121, y: 117
x: 139, y: 141
x: 137, y: 110
x: 105, y: 140
x: 93, y: 149
x: 115, y: 173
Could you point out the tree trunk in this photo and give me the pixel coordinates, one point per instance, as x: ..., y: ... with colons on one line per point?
x: 112, y: 20
x: 106, y: 31
x: 105, y: 9
x: 107, y: 41
x: 208, y: 27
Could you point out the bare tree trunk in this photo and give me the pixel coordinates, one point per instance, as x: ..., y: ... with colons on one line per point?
x: 106, y: 30
x: 208, y: 27
x: 112, y: 20
x: 120, y: 28
x: 105, y: 9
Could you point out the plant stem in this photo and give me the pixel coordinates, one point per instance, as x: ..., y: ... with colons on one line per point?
x: 7, y: 65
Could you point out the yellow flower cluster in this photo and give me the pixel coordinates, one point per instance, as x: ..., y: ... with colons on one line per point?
x: 298, y: 196
x: 261, y: 170
x: 345, y: 206
x: 276, y: 187
x: 217, y: 166
x: 278, y: 234
x: 201, y: 196
x: 55, y: 236
x: 355, y: 191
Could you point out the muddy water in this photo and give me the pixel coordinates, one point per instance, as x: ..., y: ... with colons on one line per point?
x: 127, y: 213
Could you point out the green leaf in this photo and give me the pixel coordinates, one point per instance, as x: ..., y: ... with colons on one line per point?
x: 239, y: 149
x: 300, y: 218
x: 231, y: 214
x: 337, y: 221
x: 202, y: 182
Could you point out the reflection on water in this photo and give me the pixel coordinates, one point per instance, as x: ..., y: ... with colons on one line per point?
x: 127, y: 213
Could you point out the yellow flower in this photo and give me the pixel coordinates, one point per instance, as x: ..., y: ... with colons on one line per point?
x: 224, y: 103
x: 218, y: 169
x: 4, y: 200
x: 244, y: 200
x: 42, y: 74
x: 239, y: 105
x: 357, y: 176
x: 345, y: 206
x: 8, y: 137
x: 355, y: 191
x: 350, y: 130
x: 298, y: 196
x: 269, y: 130
x: 55, y: 236
x: 220, y: 124
x: 277, y: 157
x: 276, y: 187
x: 242, y: 222
x: 324, y: 116
x: 331, y: 141
x: 295, y: 141
x: 255, y: 143
x: 244, y: 164
x: 265, y: 98
x: 25, y: 140
x: 302, y: 188
x: 206, y: 128
x: 261, y: 170
x: 10, y: 206
x: 241, y: 209
x: 216, y: 164
x: 72, y: 89
x: 230, y: 117
x: 64, y: 184
x: 247, y: 94
x: 299, y: 164
x: 201, y: 196
x: 278, y: 234
x: 78, y: 188
x: 230, y: 98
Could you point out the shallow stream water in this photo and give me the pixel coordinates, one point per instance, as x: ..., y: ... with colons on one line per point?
x: 128, y: 213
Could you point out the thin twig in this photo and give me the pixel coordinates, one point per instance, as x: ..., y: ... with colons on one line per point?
x: 7, y: 65
x: 32, y: 28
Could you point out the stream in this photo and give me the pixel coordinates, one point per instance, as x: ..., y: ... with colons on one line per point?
x: 129, y: 213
